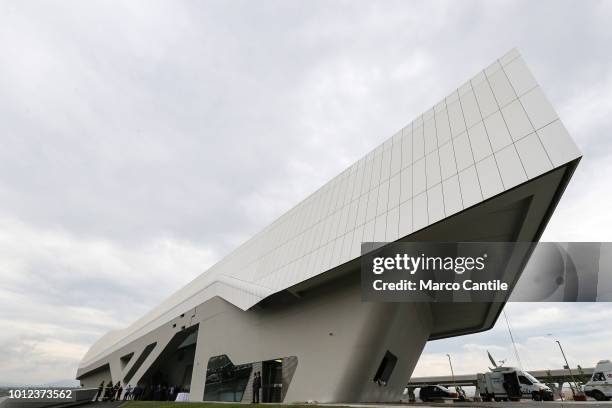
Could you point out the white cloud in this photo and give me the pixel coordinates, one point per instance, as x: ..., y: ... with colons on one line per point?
x: 60, y: 293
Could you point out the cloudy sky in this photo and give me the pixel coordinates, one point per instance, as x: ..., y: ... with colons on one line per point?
x: 142, y: 141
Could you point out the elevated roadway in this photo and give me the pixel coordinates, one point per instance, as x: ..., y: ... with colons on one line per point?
x: 556, y: 376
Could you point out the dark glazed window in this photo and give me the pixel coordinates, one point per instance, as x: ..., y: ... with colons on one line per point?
x: 599, y: 377
x: 224, y: 380
x: 385, y: 368
x: 125, y: 360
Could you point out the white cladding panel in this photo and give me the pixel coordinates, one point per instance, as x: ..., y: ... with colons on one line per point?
x: 494, y: 132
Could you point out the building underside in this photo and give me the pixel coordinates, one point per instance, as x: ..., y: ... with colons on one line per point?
x: 317, y: 340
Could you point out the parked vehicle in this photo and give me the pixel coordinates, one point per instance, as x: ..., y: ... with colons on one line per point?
x: 600, y: 384
x: 511, y: 384
x: 432, y: 393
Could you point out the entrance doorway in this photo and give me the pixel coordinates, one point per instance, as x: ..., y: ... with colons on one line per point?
x: 171, y: 372
x: 272, y: 380
x: 512, y: 386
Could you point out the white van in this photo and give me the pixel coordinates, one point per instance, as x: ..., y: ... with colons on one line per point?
x: 510, y: 383
x: 600, y: 384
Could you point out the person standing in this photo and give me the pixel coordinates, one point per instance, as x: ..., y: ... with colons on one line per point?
x: 119, y: 391
x: 113, y: 392
x: 100, y: 388
x: 136, y: 393
x: 259, y: 385
x: 108, y: 391
x: 128, y: 392
x: 171, y: 393
x: 256, y: 387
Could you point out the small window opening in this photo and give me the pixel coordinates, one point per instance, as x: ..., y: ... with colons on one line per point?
x: 385, y: 369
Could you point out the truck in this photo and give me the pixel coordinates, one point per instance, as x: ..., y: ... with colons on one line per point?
x: 510, y: 384
x: 600, y: 384
x: 513, y: 384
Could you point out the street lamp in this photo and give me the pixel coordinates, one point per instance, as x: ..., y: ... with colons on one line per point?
x: 452, y: 372
x: 568, y: 369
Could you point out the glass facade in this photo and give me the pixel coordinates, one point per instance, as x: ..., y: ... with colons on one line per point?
x: 224, y: 380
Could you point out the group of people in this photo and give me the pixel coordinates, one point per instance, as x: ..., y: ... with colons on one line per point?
x: 256, y: 387
x: 110, y: 392
x: 160, y: 393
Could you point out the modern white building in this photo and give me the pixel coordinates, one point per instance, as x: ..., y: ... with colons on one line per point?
x: 489, y: 162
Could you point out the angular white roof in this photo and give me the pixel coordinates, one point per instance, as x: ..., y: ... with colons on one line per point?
x: 494, y: 132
